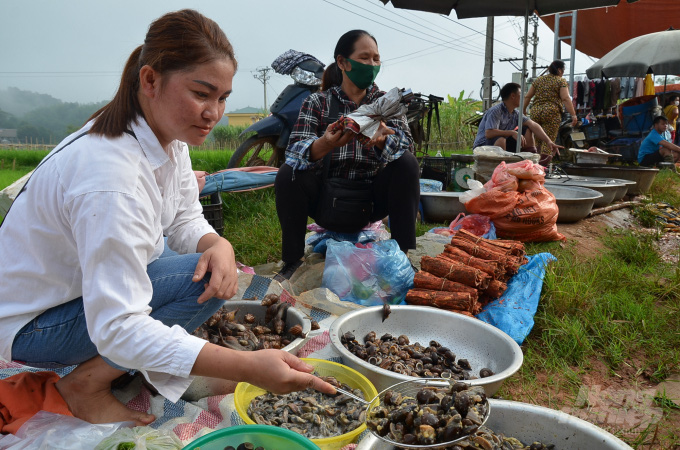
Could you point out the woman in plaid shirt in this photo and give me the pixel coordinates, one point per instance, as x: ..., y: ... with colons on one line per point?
x: 386, y: 161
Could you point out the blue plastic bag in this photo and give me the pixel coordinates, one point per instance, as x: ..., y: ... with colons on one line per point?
x: 514, y: 312
x: 367, y: 276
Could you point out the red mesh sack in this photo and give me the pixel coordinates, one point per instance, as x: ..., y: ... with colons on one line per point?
x: 529, y: 216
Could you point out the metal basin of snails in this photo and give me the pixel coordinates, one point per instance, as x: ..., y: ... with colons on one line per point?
x: 427, y: 413
x: 471, y: 343
x: 331, y: 422
x: 529, y: 424
x: 293, y: 320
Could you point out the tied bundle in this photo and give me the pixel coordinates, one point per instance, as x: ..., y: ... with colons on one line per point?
x: 468, y: 274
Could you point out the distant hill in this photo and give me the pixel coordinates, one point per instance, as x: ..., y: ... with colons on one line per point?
x: 41, y: 117
x: 18, y: 102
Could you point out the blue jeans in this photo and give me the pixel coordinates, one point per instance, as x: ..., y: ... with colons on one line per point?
x: 58, y: 337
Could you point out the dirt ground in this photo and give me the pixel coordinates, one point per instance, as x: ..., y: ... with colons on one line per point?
x: 621, y: 402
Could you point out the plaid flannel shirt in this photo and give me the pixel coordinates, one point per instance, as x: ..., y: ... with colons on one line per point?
x: 352, y: 161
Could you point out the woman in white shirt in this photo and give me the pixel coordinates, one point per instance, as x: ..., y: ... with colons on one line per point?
x: 85, y: 279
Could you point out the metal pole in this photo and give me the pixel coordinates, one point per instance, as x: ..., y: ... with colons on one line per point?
x: 535, y: 43
x: 524, y: 79
x: 488, y: 63
x: 557, y: 50
x: 573, y: 54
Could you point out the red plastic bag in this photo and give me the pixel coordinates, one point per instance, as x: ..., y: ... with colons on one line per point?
x: 528, y: 216
x: 526, y: 170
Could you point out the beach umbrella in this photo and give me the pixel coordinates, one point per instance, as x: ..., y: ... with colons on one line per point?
x: 484, y: 8
x: 658, y: 53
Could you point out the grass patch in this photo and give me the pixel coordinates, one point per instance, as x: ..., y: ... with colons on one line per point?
x: 210, y: 161
x: 252, y: 226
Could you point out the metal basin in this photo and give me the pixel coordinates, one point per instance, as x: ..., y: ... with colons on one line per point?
x: 530, y: 423
x: 483, y: 345
x: 623, y: 189
x: 574, y: 203
x: 643, y: 176
x: 206, y: 386
x: 441, y: 206
x: 608, y: 190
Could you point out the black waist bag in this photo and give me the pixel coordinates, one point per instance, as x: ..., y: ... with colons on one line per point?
x: 344, y: 205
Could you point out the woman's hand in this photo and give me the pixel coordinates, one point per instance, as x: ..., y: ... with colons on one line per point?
x: 334, y: 136
x: 218, y: 259
x: 280, y: 372
x: 380, y: 136
x: 574, y: 120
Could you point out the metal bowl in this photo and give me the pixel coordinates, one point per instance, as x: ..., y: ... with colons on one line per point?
x: 483, y: 345
x: 202, y: 387
x: 642, y: 176
x: 530, y: 423
x: 608, y: 190
x: 441, y: 206
x: 624, y: 185
x: 574, y: 203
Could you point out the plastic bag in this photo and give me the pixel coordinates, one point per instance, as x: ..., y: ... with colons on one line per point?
x: 371, y: 233
x: 476, y: 188
x: 476, y: 224
x: 141, y: 438
x: 528, y: 216
x: 50, y: 431
x: 514, y: 312
x: 379, y: 272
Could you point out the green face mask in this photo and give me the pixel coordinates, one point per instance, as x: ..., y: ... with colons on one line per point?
x: 362, y: 75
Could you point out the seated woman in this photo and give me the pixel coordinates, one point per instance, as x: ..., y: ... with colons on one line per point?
x: 85, y: 278
x: 386, y: 163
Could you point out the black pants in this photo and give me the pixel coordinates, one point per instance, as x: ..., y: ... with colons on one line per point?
x: 396, y: 192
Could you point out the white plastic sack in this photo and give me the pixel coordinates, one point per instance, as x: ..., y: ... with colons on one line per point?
x: 50, y: 431
x: 476, y: 188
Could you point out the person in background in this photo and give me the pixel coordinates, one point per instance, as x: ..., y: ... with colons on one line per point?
x: 656, y: 147
x: 549, y: 93
x: 87, y: 279
x: 670, y: 110
x: 386, y: 162
x: 499, y: 126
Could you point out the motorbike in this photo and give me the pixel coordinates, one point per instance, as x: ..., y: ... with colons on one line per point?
x: 268, y: 145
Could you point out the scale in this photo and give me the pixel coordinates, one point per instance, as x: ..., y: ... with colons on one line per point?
x: 461, y: 172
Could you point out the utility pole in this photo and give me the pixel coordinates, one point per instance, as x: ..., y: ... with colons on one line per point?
x: 534, y: 41
x: 262, y: 74
x: 488, y: 64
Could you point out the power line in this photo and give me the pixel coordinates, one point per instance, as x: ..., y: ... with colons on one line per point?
x: 409, y: 27
x: 395, y: 29
x: 456, y: 37
x: 479, y: 32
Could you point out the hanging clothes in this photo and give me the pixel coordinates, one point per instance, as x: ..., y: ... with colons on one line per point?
x: 616, y: 91
x: 607, y: 95
x: 649, y: 85
x: 640, y: 87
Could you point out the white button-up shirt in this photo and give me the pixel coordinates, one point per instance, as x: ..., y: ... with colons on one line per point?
x: 89, y: 222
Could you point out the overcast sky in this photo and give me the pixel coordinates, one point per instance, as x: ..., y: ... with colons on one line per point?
x: 74, y: 50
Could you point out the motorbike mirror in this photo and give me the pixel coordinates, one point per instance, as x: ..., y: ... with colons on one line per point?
x: 312, y: 66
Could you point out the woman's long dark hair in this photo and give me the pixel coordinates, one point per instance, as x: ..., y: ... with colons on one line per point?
x: 555, y: 67
x: 332, y: 76
x: 176, y: 41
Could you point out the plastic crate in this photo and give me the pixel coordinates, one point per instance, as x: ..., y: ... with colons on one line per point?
x: 212, y: 211
x: 595, y: 130
x: 437, y: 168
x: 627, y: 147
